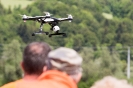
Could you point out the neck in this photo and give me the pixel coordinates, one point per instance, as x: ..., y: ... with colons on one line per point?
x: 30, y: 77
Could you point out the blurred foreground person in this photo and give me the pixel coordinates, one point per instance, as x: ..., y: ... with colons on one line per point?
x: 64, y: 69
x: 33, y: 64
x: 111, y: 82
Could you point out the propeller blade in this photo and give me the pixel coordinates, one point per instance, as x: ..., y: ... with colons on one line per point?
x: 47, y: 14
x: 70, y: 16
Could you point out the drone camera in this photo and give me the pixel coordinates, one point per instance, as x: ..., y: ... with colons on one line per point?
x: 56, y: 28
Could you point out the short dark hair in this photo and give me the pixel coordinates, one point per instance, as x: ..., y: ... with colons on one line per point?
x: 34, y: 57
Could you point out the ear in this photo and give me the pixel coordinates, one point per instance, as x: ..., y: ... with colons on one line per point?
x: 79, y: 75
x: 22, y: 66
x: 44, y: 68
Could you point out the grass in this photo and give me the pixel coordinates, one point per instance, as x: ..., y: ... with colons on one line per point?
x: 12, y: 3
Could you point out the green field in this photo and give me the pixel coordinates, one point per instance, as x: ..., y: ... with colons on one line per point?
x: 13, y: 3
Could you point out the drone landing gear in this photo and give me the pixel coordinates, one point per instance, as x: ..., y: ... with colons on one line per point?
x: 40, y: 32
x: 57, y: 33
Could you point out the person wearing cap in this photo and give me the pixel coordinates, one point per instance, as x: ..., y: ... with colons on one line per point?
x: 64, y: 69
x: 33, y: 64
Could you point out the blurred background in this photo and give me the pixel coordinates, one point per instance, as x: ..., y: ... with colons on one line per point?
x: 101, y: 31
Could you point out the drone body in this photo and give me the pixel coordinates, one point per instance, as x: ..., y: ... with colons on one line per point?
x: 52, y: 21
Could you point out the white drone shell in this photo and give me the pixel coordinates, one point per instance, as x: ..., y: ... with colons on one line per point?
x: 56, y: 28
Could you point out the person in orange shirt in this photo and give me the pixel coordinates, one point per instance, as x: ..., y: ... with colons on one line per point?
x: 33, y: 64
x: 65, y: 69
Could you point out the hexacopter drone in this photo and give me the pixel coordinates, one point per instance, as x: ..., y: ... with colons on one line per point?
x: 52, y: 21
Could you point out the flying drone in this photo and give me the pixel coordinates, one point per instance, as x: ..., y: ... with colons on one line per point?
x: 52, y: 21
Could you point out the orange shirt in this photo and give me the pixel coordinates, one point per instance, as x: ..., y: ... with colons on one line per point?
x: 22, y: 83
x: 56, y: 79
x: 48, y: 79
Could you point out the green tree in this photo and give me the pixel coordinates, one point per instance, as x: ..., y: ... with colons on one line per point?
x: 10, y: 59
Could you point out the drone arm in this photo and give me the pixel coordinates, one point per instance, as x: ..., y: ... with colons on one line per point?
x: 34, y: 18
x: 65, y: 19
x: 69, y: 18
x: 25, y: 19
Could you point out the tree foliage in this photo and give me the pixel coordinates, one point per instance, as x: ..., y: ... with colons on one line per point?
x: 102, y: 42
x: 10, y: 59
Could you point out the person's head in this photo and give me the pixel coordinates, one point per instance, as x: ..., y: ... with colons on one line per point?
x: 66, y: 60
x: 34, y: 57
x: 111, y: 82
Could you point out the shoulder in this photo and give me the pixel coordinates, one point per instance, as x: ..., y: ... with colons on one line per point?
x: 10, y: 85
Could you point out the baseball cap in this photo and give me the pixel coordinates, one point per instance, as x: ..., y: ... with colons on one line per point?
x: 66, y: 60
